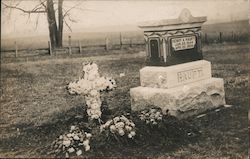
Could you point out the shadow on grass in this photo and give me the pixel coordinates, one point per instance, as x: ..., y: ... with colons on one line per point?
x: 149, y: 141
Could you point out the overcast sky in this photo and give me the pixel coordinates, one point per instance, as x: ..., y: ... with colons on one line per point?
x: 95, y: 14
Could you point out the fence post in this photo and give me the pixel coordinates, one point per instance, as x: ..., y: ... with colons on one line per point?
x: 16, y: 49
x: 206, y: 39
x: 120, y: 40
x: 106, y: 44
x: 131, y: 42
x: 70, y: 44
x: 220, y: 37
x: 50, y: 49
x: 232, y: 40
x: 80, y: 46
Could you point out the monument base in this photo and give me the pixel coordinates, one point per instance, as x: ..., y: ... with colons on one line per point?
x: 182, y: 101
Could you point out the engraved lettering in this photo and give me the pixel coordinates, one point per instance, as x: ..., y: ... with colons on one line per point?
x: 189, y: 75
x: 183, y: 43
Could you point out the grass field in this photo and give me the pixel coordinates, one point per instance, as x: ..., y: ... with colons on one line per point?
x: 240, y: 30
x: 36, y: 108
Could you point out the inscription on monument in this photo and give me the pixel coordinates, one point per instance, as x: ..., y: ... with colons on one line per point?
x: 183, y: 43
x: 189, y: 75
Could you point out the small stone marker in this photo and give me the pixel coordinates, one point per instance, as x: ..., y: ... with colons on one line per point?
x: 173, y: 41
x: 186, y: 87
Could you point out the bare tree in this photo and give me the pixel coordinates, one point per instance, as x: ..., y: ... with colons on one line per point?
x: 47, y: 7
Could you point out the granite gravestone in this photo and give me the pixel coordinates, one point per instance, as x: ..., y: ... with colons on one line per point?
x: 173, y: 41
x: 186, y: 87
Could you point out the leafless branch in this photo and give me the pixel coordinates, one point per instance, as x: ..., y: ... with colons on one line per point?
x: 42, y: 3
x: 18, y: 3
x: 69, y: 17
x: 67, y: 11
x: 85, y: 9
x: 34, y: 10
x: 67, y: 25
x: 39, y: 6
x: 37, y: 18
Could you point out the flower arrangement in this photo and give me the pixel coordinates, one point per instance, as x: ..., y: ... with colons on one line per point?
x: 93, y: 101
x: 152, y: 116
x: 120, y: 125
x: 74, y: 142
x: 90, y: 86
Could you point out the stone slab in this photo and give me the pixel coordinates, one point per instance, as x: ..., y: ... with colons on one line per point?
x: 176, y: 75
x: 182, y: 101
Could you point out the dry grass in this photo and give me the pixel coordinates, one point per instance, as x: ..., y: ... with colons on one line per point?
x: 35, y: 106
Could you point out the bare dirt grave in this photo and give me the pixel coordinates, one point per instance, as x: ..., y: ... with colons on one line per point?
x: 36, y: 108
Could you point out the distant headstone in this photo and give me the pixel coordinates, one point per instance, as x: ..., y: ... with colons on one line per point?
x: 186, y: 87
x: 173, y: 41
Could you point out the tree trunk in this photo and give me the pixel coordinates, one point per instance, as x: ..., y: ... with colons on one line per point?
x: 60, y: 24
x: 52, y: 23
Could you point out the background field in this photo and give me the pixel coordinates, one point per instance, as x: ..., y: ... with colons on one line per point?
x: 36, y: 108
x: 237, y: 31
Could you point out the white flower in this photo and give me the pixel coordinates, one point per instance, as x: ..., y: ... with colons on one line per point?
x: 94, y: 93
x: 70, y: 150
x: 102, y: 127
x: 88, y: 135
x: 152, y: 110
x: 142, y: 118
x: 95, y: 106
x: 66, y: 155
x: 66, y: 143
x: 116, y: 119
x: 87, y: 148
x: 152, y: 115
x: 128, y: 128
x: 159, y: 118
x: 69, y: 135
x: 90, y: 86
x: 81, y: 86
x: 79, y: 152
x: 88, y: 102
x: 121, y: 132
x: 143, y: 112
x: 154, y: 123
x: 158, y: 113
x: 123, y: 118
x: 132, y: 133
x: 132, y: 124
x: 72, y: 128
x: 76, y: 137
x: 89, y: 112
x: 112, y: 128
x: 107, y: 123
x: 86, y: 142
x: 119, y: 125
x: 130, y: 136
x: 152, y: 120
x: 95, y: 116
x: 97, y: 112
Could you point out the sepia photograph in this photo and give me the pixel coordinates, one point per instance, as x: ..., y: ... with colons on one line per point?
x: 160, y: 79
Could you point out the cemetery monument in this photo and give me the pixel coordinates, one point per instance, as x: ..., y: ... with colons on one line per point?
x: 176, y: 77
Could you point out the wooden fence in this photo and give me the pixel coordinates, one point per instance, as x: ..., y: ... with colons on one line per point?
x: 78, y: 47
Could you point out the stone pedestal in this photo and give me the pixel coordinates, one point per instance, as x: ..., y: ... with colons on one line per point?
x: 181, y: 95
x: 176, y: 75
